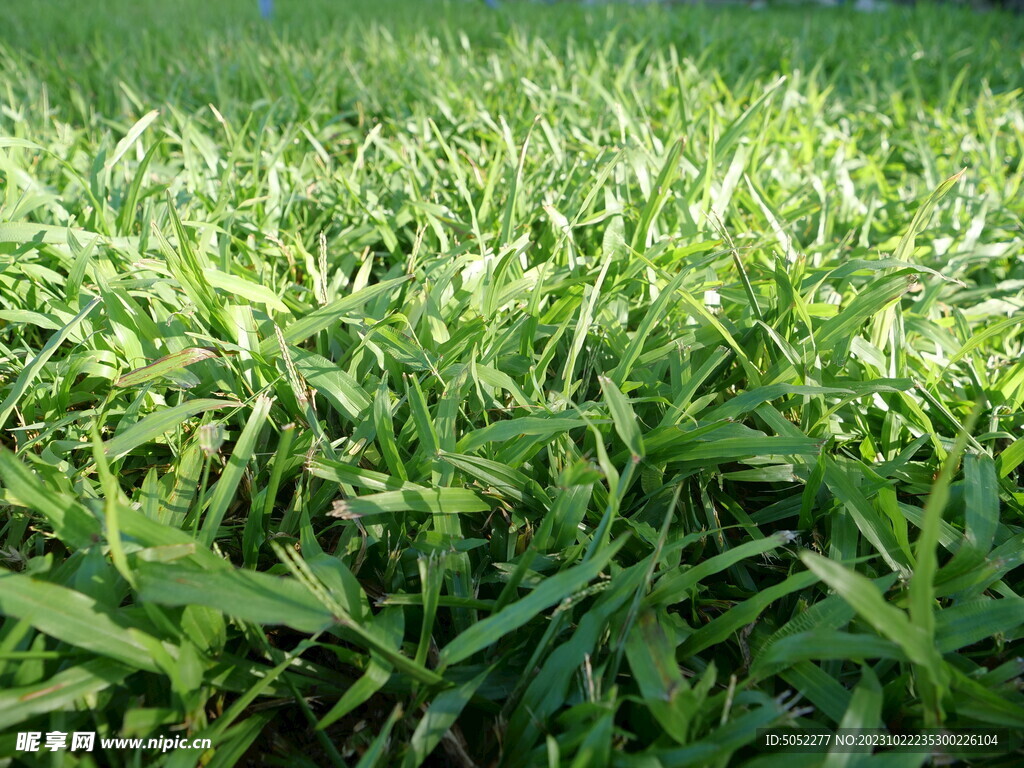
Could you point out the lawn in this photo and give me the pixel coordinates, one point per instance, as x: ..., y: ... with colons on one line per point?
x: 410, y: 383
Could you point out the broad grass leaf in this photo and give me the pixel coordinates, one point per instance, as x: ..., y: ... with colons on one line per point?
x: 62, y: 692
x: 349, y: 474
x: 241, y: 455
x: 865, y: 711
x: 131, y: 137
x: 447, y: 501
x: 980, y: 703
x: 76, y: 526
x: 744, y: 614
x: 676, y: 586
x: 509, y: 482
x: 440, y: 716
x: 975, y: 621
x: 490, y: 630
x: 22, y: 232
x: 239, y: 286
x: 548, y: 689
x: 652, y: 661
x: 377, y: 673
x: 981, y: 501
x: 34, y: 366
x: 75, y: 619
x: 319, y: 319
x: 744, y: 403
x: 659, y: 196
x: 246, y: 595
x: 905, y: 250
x: 819, y: 687
x: 524, y: 426
x: 623, y: 417
x: 888, y: 620
x: 342, y: 391
x: 164, y: 366
x: 1011, y: 457
x: 824, y: 644
x: 870, y: 522
x: 158, y: 423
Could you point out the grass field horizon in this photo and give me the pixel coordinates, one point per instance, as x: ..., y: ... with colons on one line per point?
x: 411, y: 383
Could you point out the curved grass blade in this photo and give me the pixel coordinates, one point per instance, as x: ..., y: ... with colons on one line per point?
x: 159, y: 423
x: 165, y: 365
x: 34, y: 366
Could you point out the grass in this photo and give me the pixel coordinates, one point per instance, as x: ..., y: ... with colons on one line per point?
x: 413, y: 384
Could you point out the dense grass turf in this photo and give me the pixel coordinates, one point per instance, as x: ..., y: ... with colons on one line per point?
x: 408, y: 383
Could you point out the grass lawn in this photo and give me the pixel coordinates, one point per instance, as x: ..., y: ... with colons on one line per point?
x: 408, y: 383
